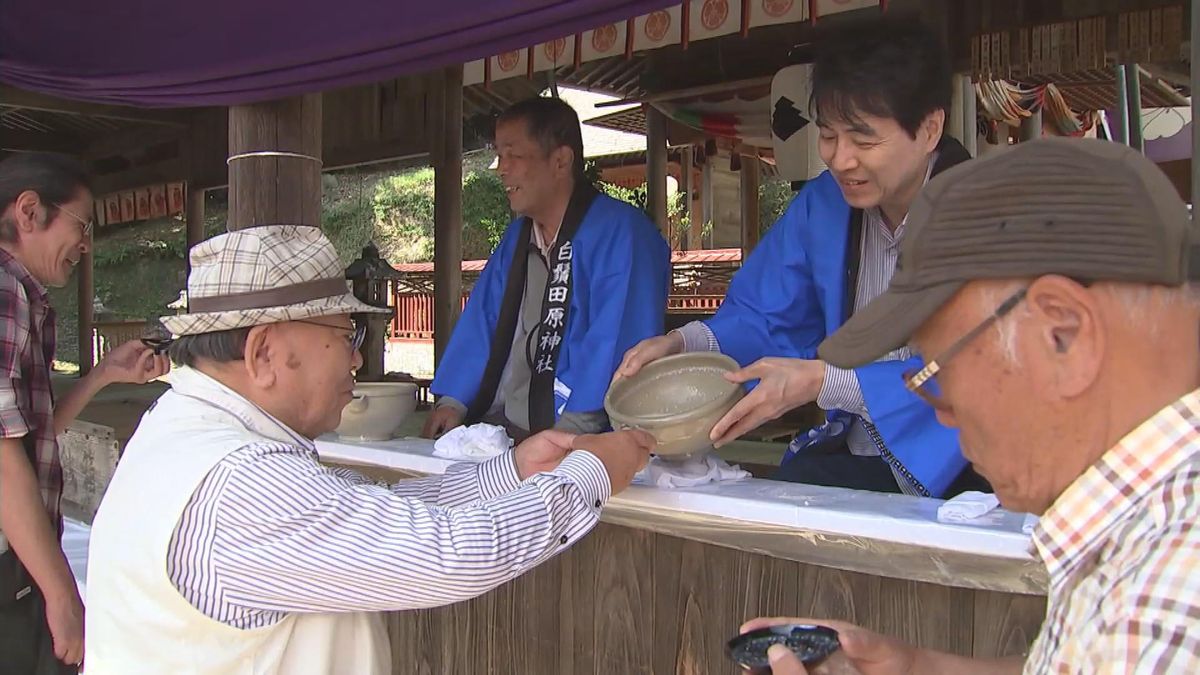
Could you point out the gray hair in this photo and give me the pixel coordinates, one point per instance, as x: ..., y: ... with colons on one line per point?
x: 1142, y: 304
x: 224, y: 346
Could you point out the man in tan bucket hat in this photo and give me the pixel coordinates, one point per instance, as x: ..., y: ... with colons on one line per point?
x: 223, y: 546
x: 1049, y: 289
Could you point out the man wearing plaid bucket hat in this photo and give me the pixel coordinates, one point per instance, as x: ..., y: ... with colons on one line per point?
x: 222, y: 545
x: 1050, y: 290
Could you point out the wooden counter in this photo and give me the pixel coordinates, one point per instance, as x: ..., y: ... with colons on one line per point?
x: 668, y: 575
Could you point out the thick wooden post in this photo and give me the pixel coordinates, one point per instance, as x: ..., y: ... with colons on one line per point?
x: 749, y: 176
x: 275, y: 163
x: 656, y: 169
x: 446, y: 149
x: 195, y: 222
x: 688, y: 239
x: 87, y: 296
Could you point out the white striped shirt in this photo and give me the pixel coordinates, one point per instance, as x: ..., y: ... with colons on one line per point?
x: 271, y: 531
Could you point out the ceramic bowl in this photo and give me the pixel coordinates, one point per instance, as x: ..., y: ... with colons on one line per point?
x: 677, y: 399
x: 377, y: 410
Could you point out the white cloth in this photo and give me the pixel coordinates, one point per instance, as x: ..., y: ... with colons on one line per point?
x: 967, y: 506
x: 476, y: 442
x: 689, y: 473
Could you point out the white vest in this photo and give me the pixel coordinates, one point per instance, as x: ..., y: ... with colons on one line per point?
x: 136, y: 620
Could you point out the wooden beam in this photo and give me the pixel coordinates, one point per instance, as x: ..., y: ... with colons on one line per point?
x: 36, y: 141
x: 19, y: 98
x: 376, y: 153
x: 447, y: 207
x: 271, y: 189
x: 703, y: 90
x: 749, y: 198
x: 656, y: 169
x: 167, y: 171
x: 127, y: 141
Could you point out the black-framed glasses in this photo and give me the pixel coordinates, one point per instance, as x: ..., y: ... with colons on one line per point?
x: 87, y: 223
x: 357, y: 331
x: 922, y: 382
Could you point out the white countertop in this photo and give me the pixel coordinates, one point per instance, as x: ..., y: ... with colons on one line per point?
x: 831, y: 526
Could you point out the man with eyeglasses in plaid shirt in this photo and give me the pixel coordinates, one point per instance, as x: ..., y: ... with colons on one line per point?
x: 1050, y: 290
x: 45, y: 227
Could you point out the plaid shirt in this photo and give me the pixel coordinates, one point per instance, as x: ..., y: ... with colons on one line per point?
x: 1122, y: 546
x: 26, y: 354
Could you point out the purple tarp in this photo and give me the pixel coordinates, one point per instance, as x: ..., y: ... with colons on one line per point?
x: 222, y: 52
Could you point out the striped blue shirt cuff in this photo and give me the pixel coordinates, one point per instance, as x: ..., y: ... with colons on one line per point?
x: 586, y: 472
x: 498, y: 476
x: 841, y: 392
x: 698, y: 337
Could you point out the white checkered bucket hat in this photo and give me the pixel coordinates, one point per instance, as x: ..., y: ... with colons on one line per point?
x: 260, y: 275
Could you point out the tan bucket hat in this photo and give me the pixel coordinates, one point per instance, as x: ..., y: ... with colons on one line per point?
x: 264, y: 274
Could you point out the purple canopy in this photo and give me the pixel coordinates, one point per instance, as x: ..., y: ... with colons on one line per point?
x: 224, y: 52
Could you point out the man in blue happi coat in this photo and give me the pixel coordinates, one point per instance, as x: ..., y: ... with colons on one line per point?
x: 577, y: 279
x: 880, y: 93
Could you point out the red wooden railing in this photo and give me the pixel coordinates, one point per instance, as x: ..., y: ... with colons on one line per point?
x: 413, y: 319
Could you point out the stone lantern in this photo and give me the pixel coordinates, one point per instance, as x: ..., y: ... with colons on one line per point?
x: 370, y: 276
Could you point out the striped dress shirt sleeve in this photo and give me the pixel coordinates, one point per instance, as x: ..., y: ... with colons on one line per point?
x: 272, y: 531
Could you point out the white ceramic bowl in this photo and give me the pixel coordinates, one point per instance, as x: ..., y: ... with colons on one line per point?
x: 377, y: 410
x: 677, y: 399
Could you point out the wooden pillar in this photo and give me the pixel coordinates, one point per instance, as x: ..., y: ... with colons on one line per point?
x: 1120, y: 126
x: 687, y: 187
x: 1133, y: 111
x: 954, y: 116
x: 446, y: 150
x: 970, y: 135
x: 282, y: 185
x: 656, y: 168
x: 1195, y: 86
x: 1031, y: 127
x: 707, y: 212
x: 749, y: 175
x: 87, y: 295
x: 195, y: 222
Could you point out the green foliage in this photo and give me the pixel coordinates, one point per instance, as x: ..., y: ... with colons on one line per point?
x: 402, y: 211
x: 774, y: 195
x: 637, y: 197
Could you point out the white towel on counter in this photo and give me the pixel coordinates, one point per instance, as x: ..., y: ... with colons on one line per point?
x: 966, y: 507
x: 688, y: 473
x: 475, y: 443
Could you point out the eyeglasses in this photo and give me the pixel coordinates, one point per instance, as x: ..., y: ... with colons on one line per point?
x: 86, y: 223
x: 358, y: 331
x: 921, y: 382
x: 357, y: 334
